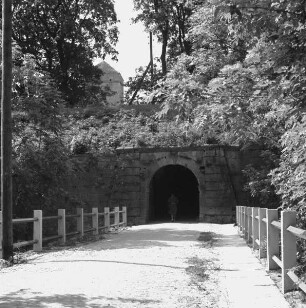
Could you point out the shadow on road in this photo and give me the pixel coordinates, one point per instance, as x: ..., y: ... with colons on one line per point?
x: 162, y: 235
x: 26, y: 298
x: 228, y: 240
x: 144, y: 238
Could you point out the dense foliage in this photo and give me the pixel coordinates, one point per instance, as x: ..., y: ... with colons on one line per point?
x: 39, y: 156
x: 102, y: 130
x: 64, y: 37
x: 243, y: 83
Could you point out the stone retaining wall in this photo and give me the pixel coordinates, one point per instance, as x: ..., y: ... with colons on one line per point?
x: 123, y: 179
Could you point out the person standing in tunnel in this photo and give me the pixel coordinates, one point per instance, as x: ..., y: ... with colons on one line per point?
x: 172, y: 206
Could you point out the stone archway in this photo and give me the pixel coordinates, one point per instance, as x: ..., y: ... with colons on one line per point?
x: 183, y: 183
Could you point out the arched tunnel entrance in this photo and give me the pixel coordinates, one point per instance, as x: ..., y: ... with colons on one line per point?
x: 183, y: 183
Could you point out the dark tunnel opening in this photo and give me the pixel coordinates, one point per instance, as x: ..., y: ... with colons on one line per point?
x: 183, y: 183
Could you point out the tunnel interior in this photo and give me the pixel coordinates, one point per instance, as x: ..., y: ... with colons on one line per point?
x: 183, y: 184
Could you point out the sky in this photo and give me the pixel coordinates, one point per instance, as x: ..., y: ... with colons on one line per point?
x: 133, y: 45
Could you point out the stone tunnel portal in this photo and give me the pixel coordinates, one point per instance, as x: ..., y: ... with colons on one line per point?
x: 183, y: 183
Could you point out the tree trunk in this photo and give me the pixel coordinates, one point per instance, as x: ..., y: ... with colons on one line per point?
x: 163, y: 57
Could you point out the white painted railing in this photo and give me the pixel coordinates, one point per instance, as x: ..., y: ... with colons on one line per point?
x: 61, y: 218
x: 275, y: 239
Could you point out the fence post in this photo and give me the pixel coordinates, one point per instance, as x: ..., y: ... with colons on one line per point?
x: 106, y: 219
x: 241, y: 220
x: 37, y: 230
x: 272, y: 239
x: 124, y: 216
x: 289, y: 250
x: 262, y: 233
x: 245, y: 222
x: 250, y: 233
x: 255, y: 226
x: 1, y: 235
x: 238, y: 218
x: 61, y: 225
x: 95, y: 221
x: 117, y: 217
x: 80, y: 221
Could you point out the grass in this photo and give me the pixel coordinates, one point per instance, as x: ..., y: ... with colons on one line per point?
x: 18, y: 258
x: 202, y: 270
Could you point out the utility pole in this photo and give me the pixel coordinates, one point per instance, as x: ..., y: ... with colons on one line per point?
x: 6, y: 131
x: 150, y: 65
x: 151, y: 58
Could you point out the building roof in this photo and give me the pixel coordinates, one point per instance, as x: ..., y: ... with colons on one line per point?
x: 109, y: 71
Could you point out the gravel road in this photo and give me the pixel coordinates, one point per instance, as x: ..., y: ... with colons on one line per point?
x: 144, y: 266
x: 169, y: 265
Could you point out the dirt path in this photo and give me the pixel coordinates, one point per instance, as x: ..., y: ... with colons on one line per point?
x: 161, y: 265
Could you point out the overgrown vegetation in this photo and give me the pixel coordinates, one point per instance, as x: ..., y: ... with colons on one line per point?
x: 64, y: 37
x: 243, y: 83
x: 232, y: 72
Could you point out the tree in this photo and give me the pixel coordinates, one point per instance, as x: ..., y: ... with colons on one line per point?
x: 39, y: 154
x: 168, y: 20
x: 142, y: 83
x: 64, y: 36
x: 246, y: 74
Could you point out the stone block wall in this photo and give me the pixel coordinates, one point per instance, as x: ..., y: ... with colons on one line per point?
x: 124, y: 179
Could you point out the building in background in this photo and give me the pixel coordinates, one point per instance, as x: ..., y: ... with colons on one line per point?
x: 111, y: 81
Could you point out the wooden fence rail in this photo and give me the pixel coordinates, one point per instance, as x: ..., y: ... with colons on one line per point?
x: 274, y: 238
x: 61, y: 219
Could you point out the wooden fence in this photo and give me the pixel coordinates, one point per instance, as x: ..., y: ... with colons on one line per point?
x: 274, y: 238
x: 61, y: 218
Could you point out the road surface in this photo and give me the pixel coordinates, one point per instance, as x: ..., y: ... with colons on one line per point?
x: 170, y: 265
